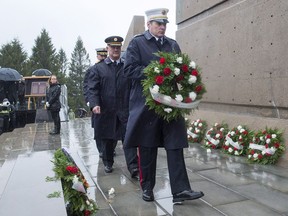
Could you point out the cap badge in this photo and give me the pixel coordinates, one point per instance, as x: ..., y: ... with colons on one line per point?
x: 115, y: 39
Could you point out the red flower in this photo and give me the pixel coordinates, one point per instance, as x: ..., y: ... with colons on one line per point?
x: 252, y: 152
x: 162, y: 61
x: 72, y: 169
x: 277, y: 145
x: 87, y: 213
x: 268, y: 136
x: 198, y: 88
x: 157, y: 102
x: 179, y: 78
x: 188, y: 100
x: 245, y: 132
x: 266, y: 146
x: 185, y: 68
x: 194, y: 72
x: 167, y: 71
x: 159, y: 80
x: 260, y: 156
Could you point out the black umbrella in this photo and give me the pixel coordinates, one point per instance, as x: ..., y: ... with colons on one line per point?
x: 41, y: 72
x: 9, y: 74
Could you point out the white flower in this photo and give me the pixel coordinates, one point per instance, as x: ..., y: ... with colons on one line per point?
x: 87, y: 202
x: 230, y: 150
x: 197, y: 130
x: 236, y: 153
x: 232, y: 133
x: 208, y: 150
x: 221, y: 129
x: 216, y: 124
x: 192, y: 65
x: 240, y: 137
x: 242, y: 130
x: 176, y: 71
x: 198, y: 120
x: 217, y: 142
x: 200, y: 124
x: 156, y: 70
x: 179, y: 60
x: 192, y: 95
x: 274, y: 136
x: 179, y: 98
x: 195, y: 123
x: 155, y: 89
x: 239, y: 127
x: 227, y: 143
x: 263, y: 152
x: 207, y: 143
x: 192, y: 79
x: 268, y: 141
x: 190, y: 128
x: 111, y: 191
x: 217, y: 135
x: 168, y: 110
x: 255, y: 155
x: 261, y: 138
x: 249, y: 156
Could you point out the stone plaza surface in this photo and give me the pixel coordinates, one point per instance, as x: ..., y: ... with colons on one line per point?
x: 231, y: 185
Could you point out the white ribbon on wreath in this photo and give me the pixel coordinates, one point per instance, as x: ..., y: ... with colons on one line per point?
x: 262, y: 148
x: 192, y: 134
x: 234, y: 144
x: 213, y: 141
x: 167, y: 100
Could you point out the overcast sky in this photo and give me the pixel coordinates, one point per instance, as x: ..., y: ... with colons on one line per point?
x: 65, y: 20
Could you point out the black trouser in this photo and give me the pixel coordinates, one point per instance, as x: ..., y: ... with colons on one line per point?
x: 56, y: 120
x: 108, y: 147
x: 179, y: 180
x: 131, y: 158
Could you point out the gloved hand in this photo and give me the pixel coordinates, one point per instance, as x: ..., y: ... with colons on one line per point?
x: 47, y: 104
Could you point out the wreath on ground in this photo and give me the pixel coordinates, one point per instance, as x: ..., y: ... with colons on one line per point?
x: 74, y: 185
x: 173, y: 86
x: 237, y: 141
x: 266, y: 147
x: 215, y: 136
x: 196, y: 131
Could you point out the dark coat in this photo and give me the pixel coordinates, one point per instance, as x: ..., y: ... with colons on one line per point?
x: 144, y: 126
x: 53, y: 97
x: 109, y: 89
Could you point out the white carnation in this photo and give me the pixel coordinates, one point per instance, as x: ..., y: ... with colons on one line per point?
x: 192, y: 79
x: 261, y: 138
x: 236, y: 153
x: 192, y: 95
x: 168, y: 110
x: 216, y: 124
x: 176, y: 71
x: 274, y: 136
x: 192, y: 65
x: 156, y: 70
x: 179, y: 60
x: 239, y: 127
x: 217, y: 135
x: 230, y: 150
x: 179, y: 98
x: 232, y: 133
x: 242, y: 130
x: 155, y: 89
x: 200, y: 124
x: 255, y: 155
x: 221, y: 129
x: 268, y: 141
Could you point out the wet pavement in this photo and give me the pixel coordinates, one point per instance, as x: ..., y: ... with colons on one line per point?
x: 231, y: 185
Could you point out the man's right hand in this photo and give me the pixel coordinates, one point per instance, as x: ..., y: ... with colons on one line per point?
x: 96, y: 110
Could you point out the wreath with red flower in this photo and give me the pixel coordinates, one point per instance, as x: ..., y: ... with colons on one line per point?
x: 173, y: 86
x: 237, y: 141
x: 215, y: 136
x: 196, y: 131
x: 266, y: 147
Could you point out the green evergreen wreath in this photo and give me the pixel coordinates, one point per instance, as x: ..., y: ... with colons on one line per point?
x: 173, y: 86
x: 266, y: 147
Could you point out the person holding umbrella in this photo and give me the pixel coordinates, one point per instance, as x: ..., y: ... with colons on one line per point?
x: 53, y: 103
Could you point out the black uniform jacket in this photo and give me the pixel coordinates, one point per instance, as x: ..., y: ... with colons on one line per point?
x: 145, y: 127
x: 53, y: 97
x: 109, y: 89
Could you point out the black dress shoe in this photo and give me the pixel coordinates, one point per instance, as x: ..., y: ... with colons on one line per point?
x: 134, y: 173
x: 187, y: 195
x: 148, y: 195
x: 108, y: 169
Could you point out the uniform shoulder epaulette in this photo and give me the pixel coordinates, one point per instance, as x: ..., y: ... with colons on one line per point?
x: 137, y: 35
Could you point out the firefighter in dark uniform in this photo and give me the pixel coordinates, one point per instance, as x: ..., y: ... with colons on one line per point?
x: 145, y: 128
x: 108, y: 96
x: 101, y: 54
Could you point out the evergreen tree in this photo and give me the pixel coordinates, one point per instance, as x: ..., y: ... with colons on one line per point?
x: 63, y: 61
x: 79, y: 64
x: 44, y: 54
x: 13, y: 56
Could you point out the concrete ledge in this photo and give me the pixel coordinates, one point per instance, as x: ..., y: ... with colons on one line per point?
x: 253, y: 122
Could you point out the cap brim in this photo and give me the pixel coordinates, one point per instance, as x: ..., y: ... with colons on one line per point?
x: 161, y: 20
